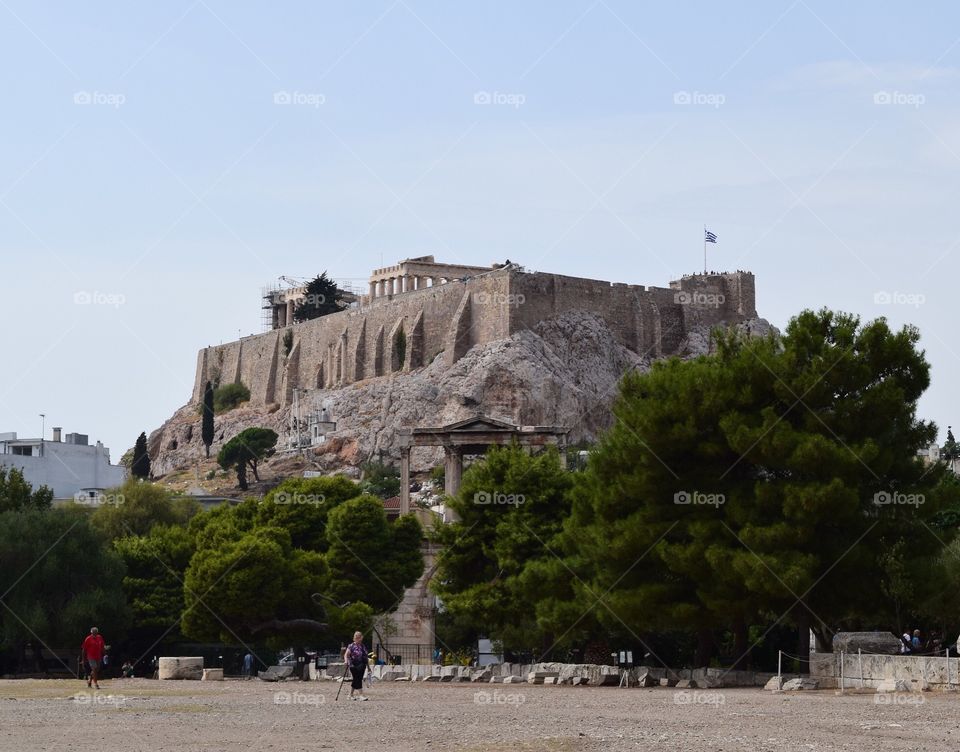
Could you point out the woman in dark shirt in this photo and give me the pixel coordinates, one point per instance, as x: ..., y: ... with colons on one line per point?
x: 355, y: 656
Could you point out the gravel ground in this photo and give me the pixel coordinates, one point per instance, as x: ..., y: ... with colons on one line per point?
x: 139, y: 714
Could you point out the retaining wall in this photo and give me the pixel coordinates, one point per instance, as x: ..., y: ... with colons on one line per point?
x: 869, y: 670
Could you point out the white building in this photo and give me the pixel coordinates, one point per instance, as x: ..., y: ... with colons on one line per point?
x: 69, y: 467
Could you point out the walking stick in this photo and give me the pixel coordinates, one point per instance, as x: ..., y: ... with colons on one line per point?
x: 346, y: 667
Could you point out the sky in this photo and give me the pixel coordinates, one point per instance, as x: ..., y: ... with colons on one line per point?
x: 160, y: 163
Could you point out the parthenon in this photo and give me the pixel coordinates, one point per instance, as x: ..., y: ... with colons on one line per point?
x: 418, y: 273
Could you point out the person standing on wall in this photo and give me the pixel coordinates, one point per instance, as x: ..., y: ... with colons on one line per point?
x: 92, y: 652
x: 355, y: 656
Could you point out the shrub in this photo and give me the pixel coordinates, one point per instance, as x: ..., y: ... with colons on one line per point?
x: 380, y: 479
x: 228, y: 396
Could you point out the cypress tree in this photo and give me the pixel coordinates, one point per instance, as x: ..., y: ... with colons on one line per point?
x: 207, y: 429
x: 140, y: 467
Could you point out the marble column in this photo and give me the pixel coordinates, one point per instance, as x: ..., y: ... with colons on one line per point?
x: 404, y: 480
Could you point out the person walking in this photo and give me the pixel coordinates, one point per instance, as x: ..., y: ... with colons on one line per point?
x: 92, y: 652
x: 355, y: 656
x: 247, y: 666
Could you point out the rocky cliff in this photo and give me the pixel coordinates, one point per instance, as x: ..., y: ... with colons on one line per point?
x: 562, y: 372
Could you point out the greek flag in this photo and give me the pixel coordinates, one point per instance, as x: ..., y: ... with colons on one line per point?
x: 709, y: 237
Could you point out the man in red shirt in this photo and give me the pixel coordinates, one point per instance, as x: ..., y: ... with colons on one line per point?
x: 92, y: 652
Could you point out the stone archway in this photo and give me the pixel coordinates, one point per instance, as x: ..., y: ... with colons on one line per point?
x: 471, y: 436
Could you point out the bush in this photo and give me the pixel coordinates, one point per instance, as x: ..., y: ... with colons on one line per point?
x: 228, y: 396
x: 380, y: 480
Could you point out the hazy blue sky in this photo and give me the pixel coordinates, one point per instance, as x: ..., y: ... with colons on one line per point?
x: 150, y: 165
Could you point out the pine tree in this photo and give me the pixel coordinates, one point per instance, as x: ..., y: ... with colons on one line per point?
x: 321, y: 296
x: 140, y: 467
x: 207, y: 429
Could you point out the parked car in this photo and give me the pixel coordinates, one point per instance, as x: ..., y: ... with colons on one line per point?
x: 291, y: 658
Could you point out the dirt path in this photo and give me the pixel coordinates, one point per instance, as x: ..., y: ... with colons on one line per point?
x: 140, y: 715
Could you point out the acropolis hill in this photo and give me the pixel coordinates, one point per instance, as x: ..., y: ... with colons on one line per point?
x: 434, y: 343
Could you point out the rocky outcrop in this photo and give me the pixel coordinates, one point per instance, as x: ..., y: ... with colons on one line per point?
x: 563, y: 372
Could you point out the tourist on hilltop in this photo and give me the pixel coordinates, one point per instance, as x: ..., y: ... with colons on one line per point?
x: 355, y: 656
x: 92, y: 651
x: 126, y: 670
x: 916, y: 642
x: 247, y: 665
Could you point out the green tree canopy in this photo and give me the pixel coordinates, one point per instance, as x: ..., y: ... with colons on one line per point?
x: 767, y: 480
x: 303, y: 505
x: 380, y: 479
x: 136, y: 506
x: 228, y: 396
x: 372, y: 560
x: 156, y: 564
x: 246, y: 450
x: 16, y: 494
x: 501, y: 557
x: 310, y: 560
x: 253, y: 586
x: 320, y: 297
x: 58, y: 579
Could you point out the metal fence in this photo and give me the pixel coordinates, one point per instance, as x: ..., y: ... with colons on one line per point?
x: 393, y: 653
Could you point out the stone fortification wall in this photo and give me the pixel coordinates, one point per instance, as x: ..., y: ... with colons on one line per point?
x: 362, y: 343
x: 407, y: 331
x: 649, y: 321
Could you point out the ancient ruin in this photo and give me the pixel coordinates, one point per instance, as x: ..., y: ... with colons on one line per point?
x: 400, y: 326
x: 430, y: 344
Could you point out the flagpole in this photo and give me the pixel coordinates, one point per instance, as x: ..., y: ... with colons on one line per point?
x: 704, y: 250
